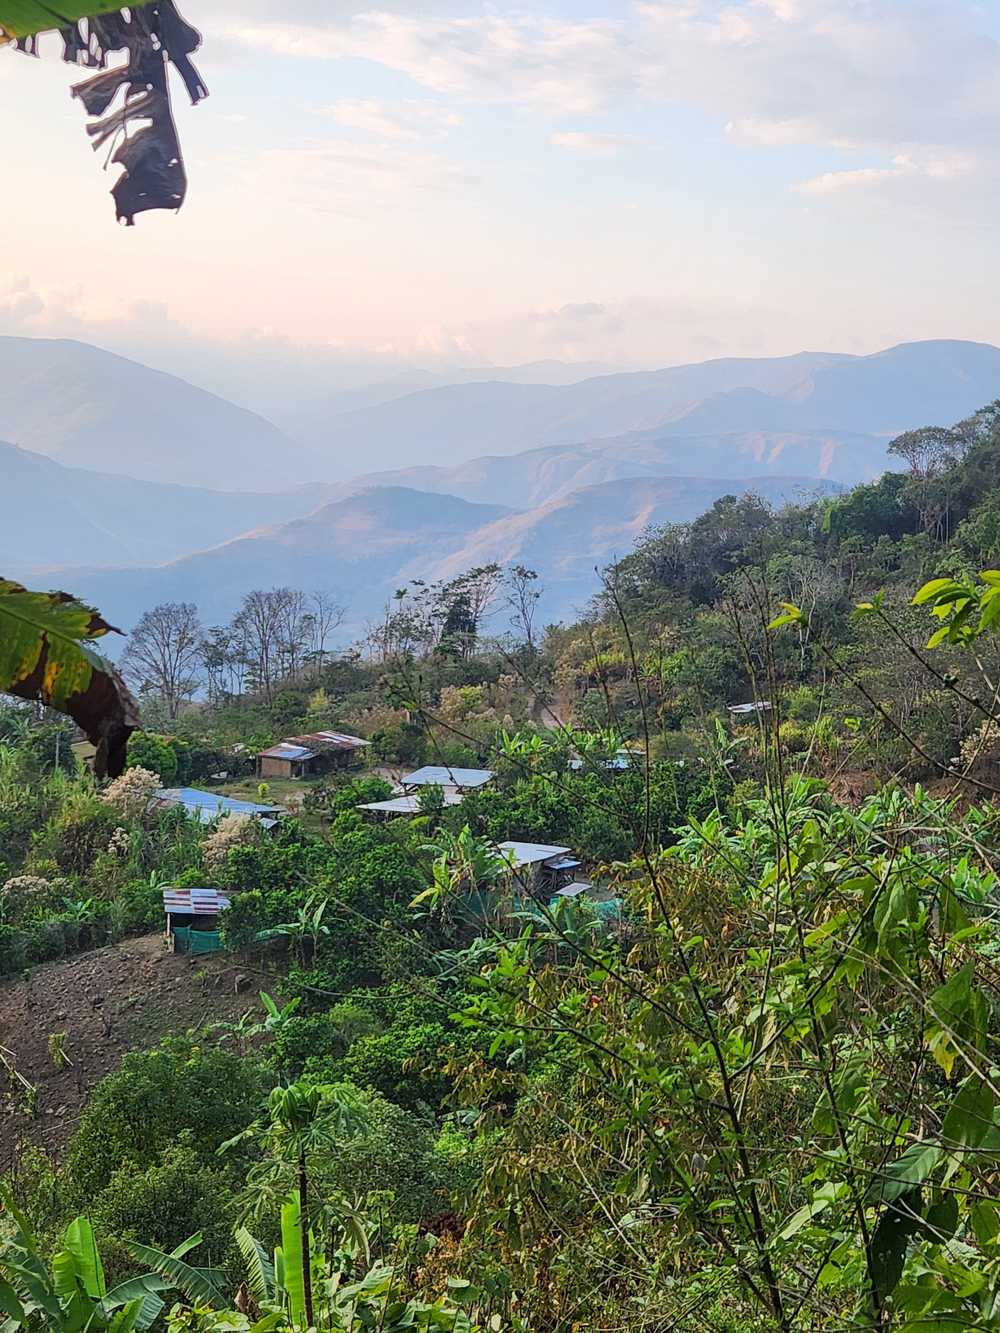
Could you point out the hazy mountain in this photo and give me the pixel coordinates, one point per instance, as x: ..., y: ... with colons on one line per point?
x: 366, y: 546
x: 537, y: 475
x: 911, y: 385
x: 88, y: 408
x: 53, y: 515
x: 360, y: 548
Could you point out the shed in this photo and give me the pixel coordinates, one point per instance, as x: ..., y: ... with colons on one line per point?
x: 453, y: 779
x: 308, y: 756
x: 541, y: 868
x: 405, y: 805
x: 748, y: 710
x: 193, y: 919
x: 209, y: 805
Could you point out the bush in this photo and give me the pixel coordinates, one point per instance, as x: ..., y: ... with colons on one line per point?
x: 136, y: 1114
x: 130, y: 794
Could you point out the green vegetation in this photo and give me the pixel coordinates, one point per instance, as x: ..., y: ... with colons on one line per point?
x: 749, y: 1081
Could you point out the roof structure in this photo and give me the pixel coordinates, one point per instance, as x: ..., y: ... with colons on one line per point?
x: 522, y: 854
x: 620, y: 763
x: 758, y: 706
x: 406, y: 805
x: 469, y: 778
x: 573, y: 890
x: 315, y: 743
x: 208, y: 805
x: 194, y: 902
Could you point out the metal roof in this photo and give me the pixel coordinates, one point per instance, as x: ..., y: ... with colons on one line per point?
x: 448, y: 777
x: 285, y: 750
x: 406, y: 805
x: 530, y: 853
x: 208, y: 805
x: 573, y: 890
x: 619, y: 763
x: 763, y: 706
x: 194, y: 902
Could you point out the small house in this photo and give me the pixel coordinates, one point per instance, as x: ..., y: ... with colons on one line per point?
x: 454, y: 781
x: 209, y: 805
x: 193, y: 919
x: 312, y: 756
x: 539, y: 868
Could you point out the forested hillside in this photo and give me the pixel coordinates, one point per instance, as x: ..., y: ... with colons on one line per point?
x: 668, y: 999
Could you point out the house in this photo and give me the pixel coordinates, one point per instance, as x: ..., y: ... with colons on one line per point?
x: 539, y: 868
x: 310, y: 756
x: 454, y: 780
x: 193, y: 919
x: 209, y: 805
x: 404, y: 805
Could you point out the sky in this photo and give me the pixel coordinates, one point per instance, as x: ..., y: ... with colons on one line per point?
x: 636, y: 184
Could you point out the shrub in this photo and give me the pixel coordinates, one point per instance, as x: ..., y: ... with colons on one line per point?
x: 232, y: 831
x: 130, y: 794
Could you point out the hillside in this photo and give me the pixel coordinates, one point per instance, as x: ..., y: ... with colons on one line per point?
x: 880, y: 395
x: 52, y: 515
x: 88, y: 408
x: 365, y: 546
x: 359, y: 548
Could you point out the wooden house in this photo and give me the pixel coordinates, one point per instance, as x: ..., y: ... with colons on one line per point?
x: 312, y: 756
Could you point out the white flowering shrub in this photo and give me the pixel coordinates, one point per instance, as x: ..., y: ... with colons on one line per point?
x: 130, y: 794
x: 233, y: 831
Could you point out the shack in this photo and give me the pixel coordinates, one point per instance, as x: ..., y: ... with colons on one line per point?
x: 209, y: 805
x: 540, y: 869
x: 456, y: 781
x: 312, y: 756
x: 193, y: 919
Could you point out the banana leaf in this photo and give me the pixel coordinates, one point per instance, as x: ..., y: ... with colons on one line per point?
x: 24, y: 18
x: 45, y: 656
x: 152, y: 37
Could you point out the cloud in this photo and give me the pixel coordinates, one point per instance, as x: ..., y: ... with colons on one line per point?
x: 585, y: 141
x: 388, y: 120
x: 945, y: 169
x: 575, y: 66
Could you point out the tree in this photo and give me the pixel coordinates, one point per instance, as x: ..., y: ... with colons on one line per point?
x: 164, y: 653
x: 325, y: 615
x: 523, y: 596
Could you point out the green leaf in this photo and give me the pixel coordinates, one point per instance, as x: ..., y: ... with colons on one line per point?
x: 23, y: 18
x: 915, y: 1165
x: 291, y: 1249
x: 142, y: 1289
x: 889, y: 1241
x: 186, y: 1279
x: 932, y: 590
x: 79, y: 1241
x: 10, y: 1305
x: 260, y: 1269
x: 45, y: 657
x: 792, y: 615
x: 970, y: 1115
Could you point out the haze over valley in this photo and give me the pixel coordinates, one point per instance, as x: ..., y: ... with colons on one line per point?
x: 138, y: 487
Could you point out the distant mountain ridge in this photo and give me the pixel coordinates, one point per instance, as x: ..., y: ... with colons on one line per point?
x: 52, y: 515
x: 365, y: 546
x: 84, y: 407
x: 880, y: 395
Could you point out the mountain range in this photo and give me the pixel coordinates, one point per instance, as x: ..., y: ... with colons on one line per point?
x: 139, y: 487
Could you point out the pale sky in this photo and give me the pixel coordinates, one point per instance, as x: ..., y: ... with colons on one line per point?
x: 633, y: 183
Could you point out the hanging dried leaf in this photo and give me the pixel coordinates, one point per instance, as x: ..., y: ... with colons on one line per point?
x: 152, y: 37
x: 45, y: 657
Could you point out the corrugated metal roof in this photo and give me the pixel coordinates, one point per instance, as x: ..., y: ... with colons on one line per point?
x: 763, y: 706
x: 406, y: 805
x: 194, y: 902
x: 328, y: 740
x: 285, y: 750
x: 448, y: 777
x: 529, y: 853
x: 208, y: 805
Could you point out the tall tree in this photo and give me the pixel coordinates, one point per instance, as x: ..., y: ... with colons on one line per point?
x: 165, y: 652
x: 523, y: 593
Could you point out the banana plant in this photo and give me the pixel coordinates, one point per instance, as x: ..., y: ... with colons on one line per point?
x: 70, y: 1293
x: 46, y: 657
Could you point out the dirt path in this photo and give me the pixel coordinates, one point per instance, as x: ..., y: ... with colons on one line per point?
x: 107, y: 1002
